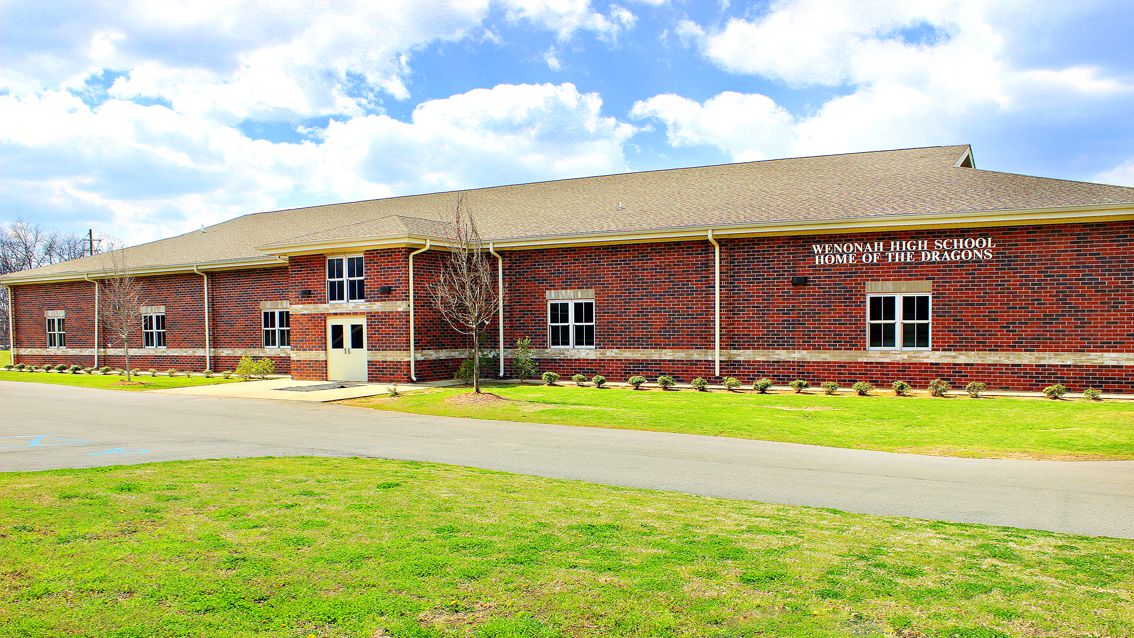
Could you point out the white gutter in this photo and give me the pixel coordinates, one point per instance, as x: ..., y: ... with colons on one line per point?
x: 412, y: 345
x: 87, y: 277
x: 716, y: 305
x: 11, y: 324
x: 499, y: 301
x: 208, y: 350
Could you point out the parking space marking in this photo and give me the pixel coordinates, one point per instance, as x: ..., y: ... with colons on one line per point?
x: 37, y: 441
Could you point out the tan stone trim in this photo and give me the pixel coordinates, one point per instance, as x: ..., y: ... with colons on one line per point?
x: 54, y: 314
x: 845, y: 356
x: 308, y: 355
x: 353, y: 307
x: 153, y: 310
x: 584, y: 293
x: 876, y: 287
x: 274, y: 305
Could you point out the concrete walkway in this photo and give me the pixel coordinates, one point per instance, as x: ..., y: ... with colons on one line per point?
x: 288, y: 389
x: 45, y: 426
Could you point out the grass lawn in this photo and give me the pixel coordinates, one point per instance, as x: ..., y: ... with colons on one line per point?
x: 957, y: 426
x: 110, y: 381
x: 369, y: 548
x: 5, y: 357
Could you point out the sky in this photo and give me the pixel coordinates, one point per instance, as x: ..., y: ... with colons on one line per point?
x: 146, y: 119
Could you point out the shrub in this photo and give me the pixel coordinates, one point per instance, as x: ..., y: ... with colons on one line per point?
x: 208, y: 374
x: 901, y: 388
x: 246, y: 368
x: 263, y: 367
x: 153, y: 373
x: 731, y: 383
x: 699, y: 384
x: 666, y: 382
x: 135, y: 372
x: 75, y: 369
x: 171, y: 372
x: 636, y: 380
x: 33, y: 368
x: 489, y: 361
x: 61, y: 367
x: 1055, y: 391
x: 598, y: 380
x: 974, y: 388
x: 799, y: 385
x: 939, y: 387
x: 105, y: 369
x: 20, y: 367
x: 464, y: 372
x: 579, y: 379
x: 227, y: 374
x: 1092, y: 394
x: 394, y: 390
x: 8, y: 366
x: 523, y: 366
x: 863, y: 388
x: 549, y: 377
x: 762, y: 385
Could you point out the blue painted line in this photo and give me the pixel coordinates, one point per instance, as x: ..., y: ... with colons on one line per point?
x: 36, y: 440
x: 26, y: 441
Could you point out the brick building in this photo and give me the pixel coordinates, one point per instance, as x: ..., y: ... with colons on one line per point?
x: 909, y: 264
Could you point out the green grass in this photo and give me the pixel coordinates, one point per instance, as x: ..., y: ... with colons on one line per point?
x: 5, y: 357
x: 357, y: 547
x: 111, y: 381
x: 957, y: 426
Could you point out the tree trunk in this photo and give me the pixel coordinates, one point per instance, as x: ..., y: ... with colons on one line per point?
x: 476, y: 362
x: 126, y: 349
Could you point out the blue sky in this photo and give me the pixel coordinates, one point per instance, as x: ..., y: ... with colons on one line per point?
x: 142, y: 121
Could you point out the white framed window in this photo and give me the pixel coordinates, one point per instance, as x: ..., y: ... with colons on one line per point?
x: 56, y: 333
x: 153, y: 330
x: 898, y: 322
x: 571, y: 324
x: 277, y: 329
x: 346, y: 279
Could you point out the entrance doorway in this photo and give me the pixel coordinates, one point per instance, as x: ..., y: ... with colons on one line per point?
x: 346, y: 348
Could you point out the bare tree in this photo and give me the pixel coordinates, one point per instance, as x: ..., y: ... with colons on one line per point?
x: 121, y: 304
x: 464, y: 292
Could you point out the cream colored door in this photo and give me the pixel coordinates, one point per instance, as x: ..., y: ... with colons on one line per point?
x: 346, y: 348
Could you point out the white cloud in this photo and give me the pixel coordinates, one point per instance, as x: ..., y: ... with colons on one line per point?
x: 149, y: 171
x: 907, y: 73
x: 565, y: 17
x: 1121, y: 175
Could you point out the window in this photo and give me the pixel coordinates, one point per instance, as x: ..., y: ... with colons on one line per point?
x: 571, y: 324
x: 897, y: 322
x: 346, y: 279
x: 56, y: 335
x: 153, y: 330
x: 277, y: 329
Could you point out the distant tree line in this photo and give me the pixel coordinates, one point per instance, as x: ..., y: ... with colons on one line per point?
x: 23, y: 246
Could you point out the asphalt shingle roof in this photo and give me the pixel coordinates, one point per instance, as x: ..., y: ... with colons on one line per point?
x: 880, y: 184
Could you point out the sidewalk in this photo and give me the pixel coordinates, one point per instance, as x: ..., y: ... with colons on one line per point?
x: 288, y: 389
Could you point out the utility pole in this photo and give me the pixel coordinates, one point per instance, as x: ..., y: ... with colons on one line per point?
x: 91, y: 240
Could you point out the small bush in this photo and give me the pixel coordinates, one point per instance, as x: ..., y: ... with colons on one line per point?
x: 579, y: 379
x: 974, y: 388
x: 901, y: 388
x: 636, y: 380
x: 21, y: 367
x: 33, y: 368
x: 863, y: 388
x: 523, y: 366
x: 208, y: 374
x: 171, y: 372
x: 246, y: 368
x: 61, y: 367
x: 263, y: 367
x: 75, y: 369
x: 762, y: 385
x: 227, y: 374
x: 731, y: 383
x: 135, y: 372
x: 939, y: 388
x: 8, y: 366
x: 1092, y: 394
x: 105, y: 369
x: 699, y: 384
x: 153, y: 373
x: 598, y: 380
x: 799, y: 385
x: 666, y: 382
x: 1055, y: 391
x: 549, y: 377
x: 394, y: 390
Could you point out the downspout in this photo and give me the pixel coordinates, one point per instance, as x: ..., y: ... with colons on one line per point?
x: 412, y: 345
x: 716, y: 305
x: 11, y: 324
x: 499, y: 301
x: 88, y: 278
x: 208, y: 349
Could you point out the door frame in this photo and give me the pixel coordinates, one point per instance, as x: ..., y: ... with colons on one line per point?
x: 352, y: 369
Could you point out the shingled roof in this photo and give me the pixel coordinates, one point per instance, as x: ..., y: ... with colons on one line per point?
x: 880, y: 185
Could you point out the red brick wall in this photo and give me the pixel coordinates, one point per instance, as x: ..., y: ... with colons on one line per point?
x: 236, y: 320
